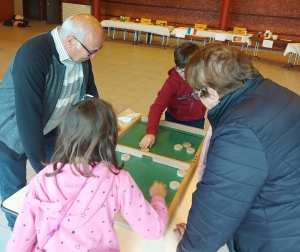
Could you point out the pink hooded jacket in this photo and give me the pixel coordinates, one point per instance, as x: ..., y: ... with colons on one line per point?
x: 89, y: 224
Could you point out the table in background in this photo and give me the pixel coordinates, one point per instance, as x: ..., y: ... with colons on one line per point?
x: 279, y: 43
x: 163, y: 31
x: 212, y: 35
x: 292, y: 49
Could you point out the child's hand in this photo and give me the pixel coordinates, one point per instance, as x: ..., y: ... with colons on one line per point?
x: 147, y: 141
x: 158, y: 189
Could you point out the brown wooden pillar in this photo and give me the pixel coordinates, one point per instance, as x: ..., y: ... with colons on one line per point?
x: 224, y: 16
x: 96, y: 9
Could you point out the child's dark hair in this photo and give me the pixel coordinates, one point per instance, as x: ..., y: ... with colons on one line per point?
x: 183, y: 52
x: 88, y: 134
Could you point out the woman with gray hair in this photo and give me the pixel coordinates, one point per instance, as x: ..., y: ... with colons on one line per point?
x: 250, y: 189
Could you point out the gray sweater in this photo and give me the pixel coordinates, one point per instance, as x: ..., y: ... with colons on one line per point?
x: 28, y: 94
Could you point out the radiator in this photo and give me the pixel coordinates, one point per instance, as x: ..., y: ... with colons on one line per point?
x: 69, y: 9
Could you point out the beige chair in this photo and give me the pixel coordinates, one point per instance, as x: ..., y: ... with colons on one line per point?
x: 137, y: 35
x: 239, y: 30
x: 127, y: 19
x: 146, y: 21
x: 161, y: 22
x: 199, y: 27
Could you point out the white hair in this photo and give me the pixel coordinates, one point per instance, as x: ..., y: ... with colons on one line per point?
x: 69, y: 28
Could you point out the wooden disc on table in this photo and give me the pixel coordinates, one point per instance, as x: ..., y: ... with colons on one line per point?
x: 190, y: 150
x: 187, y: 144
x: 178, y: 147
x: 125, y: 157
x: 144, y: 149
x: 181, y: 173
x: 174, y: 185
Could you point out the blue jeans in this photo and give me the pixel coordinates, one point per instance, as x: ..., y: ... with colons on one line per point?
x: 13, y: 173
x: 197, y: 123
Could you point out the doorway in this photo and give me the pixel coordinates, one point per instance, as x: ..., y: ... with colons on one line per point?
x: 53, y: 12
x: 48, y: 10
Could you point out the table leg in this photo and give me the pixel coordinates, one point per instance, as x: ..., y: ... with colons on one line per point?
x: 289, y: 60
x: 296, y: 60
x: 255, y: 50
x: 147, y: 38
x: 108, y: 34
x: 289, y: 64
x: 167, y: 42
x: 136, y: 38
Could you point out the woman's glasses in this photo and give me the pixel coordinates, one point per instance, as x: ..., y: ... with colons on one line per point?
x: 198, y: 93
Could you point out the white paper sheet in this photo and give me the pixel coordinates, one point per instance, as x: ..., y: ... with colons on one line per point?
x: 267, y: 43
x: 220, y: 36
x: 180, y: 33
x: 127, y: 116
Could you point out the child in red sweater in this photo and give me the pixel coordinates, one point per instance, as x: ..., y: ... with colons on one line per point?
x: 177, y: 96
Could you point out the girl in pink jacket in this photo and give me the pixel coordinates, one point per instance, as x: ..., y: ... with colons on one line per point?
x: 70, y: 205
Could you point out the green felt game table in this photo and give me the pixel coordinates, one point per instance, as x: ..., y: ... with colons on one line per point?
x: 165, y: 140
x: 145, y: 171
x: 162, y: 161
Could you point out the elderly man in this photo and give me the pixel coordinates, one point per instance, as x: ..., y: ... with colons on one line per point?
x: 49, y: 73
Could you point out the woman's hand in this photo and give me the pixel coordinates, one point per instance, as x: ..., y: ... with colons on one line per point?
x: 158, y: 189
x: 147, y: 141
x: 179, y: 231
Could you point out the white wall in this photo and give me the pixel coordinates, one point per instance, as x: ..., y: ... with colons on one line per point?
x: 18, y: 7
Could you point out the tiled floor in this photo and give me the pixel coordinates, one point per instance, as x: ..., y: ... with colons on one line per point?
x: 129, y: 76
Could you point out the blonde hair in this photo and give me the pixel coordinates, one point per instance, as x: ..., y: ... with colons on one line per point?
x: 221, y: 67
x: 87, y: 135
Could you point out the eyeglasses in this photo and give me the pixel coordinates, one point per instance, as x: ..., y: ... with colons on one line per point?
x: 89, y: 52
x: 84, y: 98
x: 197, y: 93
x: 87, y: 97
x: 179, y: 69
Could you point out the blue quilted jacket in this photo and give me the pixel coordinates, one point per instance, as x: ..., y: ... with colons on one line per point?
x: 251, y: 186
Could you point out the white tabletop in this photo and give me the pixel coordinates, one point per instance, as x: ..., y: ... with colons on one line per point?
x: 129, y: 240
x: 292, y: 48
x: 212, y: 34
x: 184, y: 31
x: 156, y: 29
